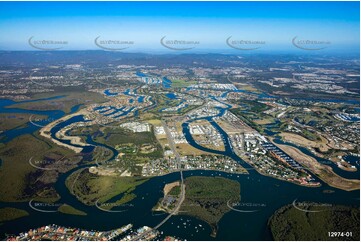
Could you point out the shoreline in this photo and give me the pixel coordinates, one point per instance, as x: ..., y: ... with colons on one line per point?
x: 285, y: 137
x: 246, y: 159
x: 316, y: 168
x: 46, y: 130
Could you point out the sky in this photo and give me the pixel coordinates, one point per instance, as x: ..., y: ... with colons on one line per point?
x: 204, y: 26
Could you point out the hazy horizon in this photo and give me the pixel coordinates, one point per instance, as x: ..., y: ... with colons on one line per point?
x: 147, y: 27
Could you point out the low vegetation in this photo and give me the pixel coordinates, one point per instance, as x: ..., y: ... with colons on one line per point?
x: 20, y: 180
x: 206, y: 198
x: 67, y: 209
x: 90, y: 188
x: 9, y: 213
x: 289, y: 223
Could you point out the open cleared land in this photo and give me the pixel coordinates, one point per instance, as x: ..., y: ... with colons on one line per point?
x: 300, y: 140
x: 186, y: 149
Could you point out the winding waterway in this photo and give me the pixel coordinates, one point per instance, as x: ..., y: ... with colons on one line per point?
x: 261, y: 193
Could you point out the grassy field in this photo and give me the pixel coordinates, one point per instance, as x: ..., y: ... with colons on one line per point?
x: 265, y: 121
x: 289, y: 223
x: 187, y: 149
x: 90, y: 187
x: 155, y: 122
x: 178, y: 83
x: 206, y: 198
x: 7, y: 214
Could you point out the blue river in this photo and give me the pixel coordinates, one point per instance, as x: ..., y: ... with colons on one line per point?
x: 255, y: 189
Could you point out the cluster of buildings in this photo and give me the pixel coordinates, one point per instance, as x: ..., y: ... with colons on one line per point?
x: 232, y: 119
x: 178, y: 137
x: 119, y: 107
x: 205, y: 134
x: 216, y: 86
x: 60, y: 233
x: 204, y: 111
x: 151, y: 80
x: 236, y: 96
x: 159, y: 130
x: 144, y: 233
x: 113, y: 112
x: 348, y: 117
x: 137, y: 127
x: 187, y: 100
x: 269, y: 160
x: 342, y: 133
x: 314, y: 79
x: 164, y: 166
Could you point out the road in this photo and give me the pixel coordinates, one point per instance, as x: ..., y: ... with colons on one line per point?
x: 183, y: 190
x: 171, y: 141
x: 180, y: 201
